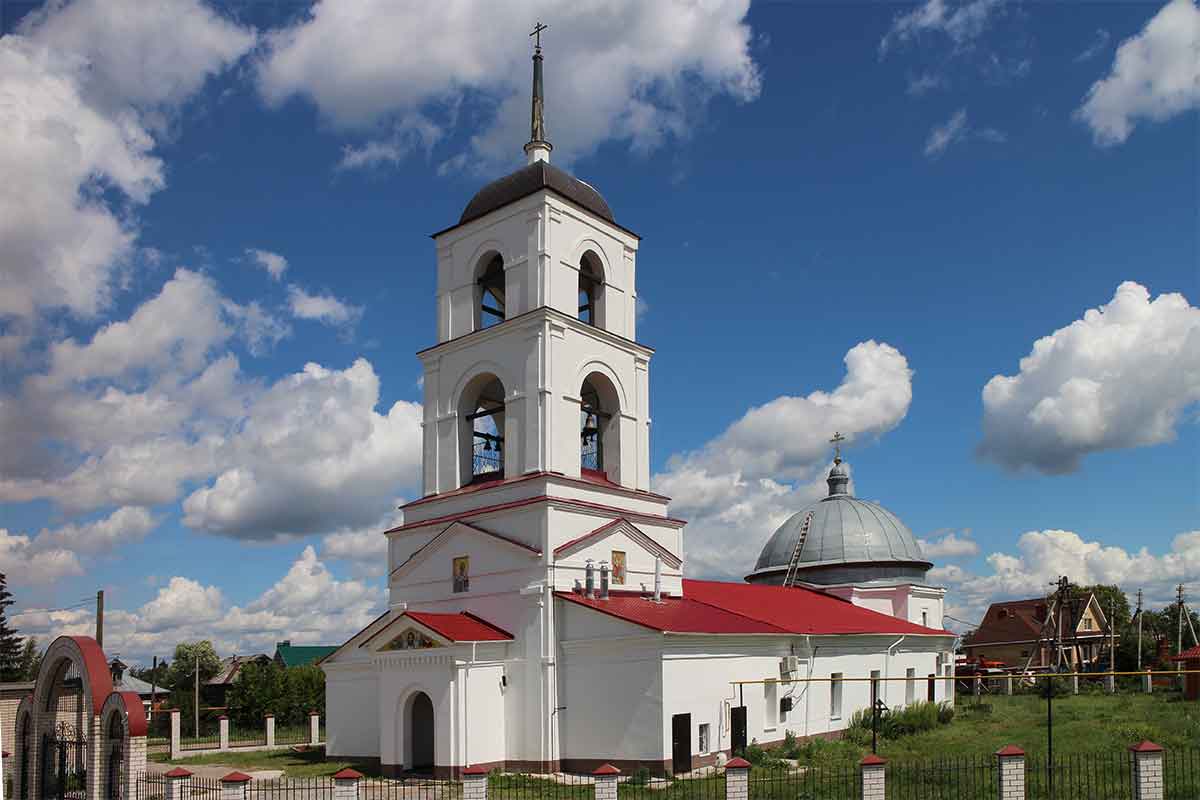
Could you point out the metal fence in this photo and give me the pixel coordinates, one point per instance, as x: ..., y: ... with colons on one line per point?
x: 292, y: 734
x: 154, y: 787
x: 1080, y: 777
x: 241, y: 735
x: 209, y: 737
x: 972, y: 778
x: 1181, y: 774
x: 834, y: 782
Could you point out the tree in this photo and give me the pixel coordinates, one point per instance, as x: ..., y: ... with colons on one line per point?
x: 181, y: 675
x: 10, y: 643
x: 31, y: 659
x: 288, y: 693
x: 154, y: 676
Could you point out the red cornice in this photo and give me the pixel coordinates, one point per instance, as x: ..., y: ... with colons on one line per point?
x: 476, y: 487
x: 542, y: 498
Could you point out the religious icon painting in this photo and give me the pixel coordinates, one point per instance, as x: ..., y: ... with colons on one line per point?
x: 462, y: 573
x: 618, y: 567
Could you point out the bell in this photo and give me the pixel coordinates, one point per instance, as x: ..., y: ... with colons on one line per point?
x: 487, y: 445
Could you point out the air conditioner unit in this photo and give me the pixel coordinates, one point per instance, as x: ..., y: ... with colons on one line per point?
x: 788, y: 666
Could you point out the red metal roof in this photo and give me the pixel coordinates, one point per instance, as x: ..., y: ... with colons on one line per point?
x: 1188, y: 655
x: 463, y: 627
x: 742, y: 608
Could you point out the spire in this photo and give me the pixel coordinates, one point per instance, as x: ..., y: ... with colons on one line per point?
x: 537, y: 149
x: 839, y: 476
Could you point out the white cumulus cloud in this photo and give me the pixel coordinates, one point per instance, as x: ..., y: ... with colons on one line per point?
x: 324, y: 308
x: 1155, y: 76
x: 771, y: 462
x: 961, y: 22
x: 624, y: 70
x: 54, y: 553
x: 273, y: 263
x: 1120, y: 377
x: 949, y: 545
x: 84, y: 89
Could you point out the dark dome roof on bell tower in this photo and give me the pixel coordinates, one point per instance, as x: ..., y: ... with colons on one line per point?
x: 530, y: 179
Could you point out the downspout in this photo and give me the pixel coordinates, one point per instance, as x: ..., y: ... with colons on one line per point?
x: 466, y: 708
x: 887, y: 664
x: 812, y: 663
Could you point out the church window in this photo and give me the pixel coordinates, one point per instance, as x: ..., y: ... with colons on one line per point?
x: 703, y: 738
x: 925, y: 619
x: 461, y: 574
x: 910, y: 685
x: 874, y: 687
x: 491, y: 292
x: 591, y: 284
x: 835, y: 696
x: 771, y: 697
x: 598, y: 428
x: 484, y: 430
x: 618, y: 567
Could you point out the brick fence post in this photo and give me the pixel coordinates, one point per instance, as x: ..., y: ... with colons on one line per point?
x: 1008, y: 685
x: 234, y: 785
x: 1011, y: 773
x: 1074, y: 684
x: 1147, y: 771
x: 737, y: 779
x: 176, y: 750
x: 269, y: 720
x: 345, y: 784
x: 873, y: 778
x: 1148, y: 682
x: 314, y: 727
x: 223, y: 732
x: 179, y: 784
x: 475, y: 783
x: 606, y: 782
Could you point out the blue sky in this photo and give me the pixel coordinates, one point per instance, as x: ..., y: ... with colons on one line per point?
x: 947, y: 182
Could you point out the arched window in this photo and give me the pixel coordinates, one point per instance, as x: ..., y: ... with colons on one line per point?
x: 491, y: 293
x: 599, y: 454
x: 483, y: 420
x: 591, y: 285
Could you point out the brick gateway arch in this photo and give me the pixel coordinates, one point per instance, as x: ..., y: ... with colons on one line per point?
x: 76, y: 737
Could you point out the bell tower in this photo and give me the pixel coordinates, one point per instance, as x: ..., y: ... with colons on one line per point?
x: 536, y: 369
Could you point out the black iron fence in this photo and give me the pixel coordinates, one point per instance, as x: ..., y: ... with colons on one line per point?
x: 205, y: 736
x: 833, y: 782
x: 292, y: 734
x: 971, y: 778
x: 1181, y: 774
x: 241, y: 735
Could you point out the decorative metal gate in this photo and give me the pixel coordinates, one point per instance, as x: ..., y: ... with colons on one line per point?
x: 64, y: 764
x: 116, y: 758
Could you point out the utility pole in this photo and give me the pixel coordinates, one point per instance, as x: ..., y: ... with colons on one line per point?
x: 1139, y: 619
x: 196, y: 703
x: 100, y: 618
x: 1112, y: 637
x: 1179, y: 636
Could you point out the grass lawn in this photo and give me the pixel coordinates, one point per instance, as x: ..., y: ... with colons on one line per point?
x: 1086, y: 723
x: 308, y: 763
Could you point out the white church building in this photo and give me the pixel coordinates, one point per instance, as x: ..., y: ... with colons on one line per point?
x: 539, y: 618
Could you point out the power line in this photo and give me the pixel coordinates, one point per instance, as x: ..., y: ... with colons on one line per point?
x: 963, y: 621
x: 80, y: 604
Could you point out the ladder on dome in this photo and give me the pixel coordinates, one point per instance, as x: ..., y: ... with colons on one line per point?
x: 789, y: 578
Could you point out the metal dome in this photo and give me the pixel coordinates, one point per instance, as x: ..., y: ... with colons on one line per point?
x: 848, y: 541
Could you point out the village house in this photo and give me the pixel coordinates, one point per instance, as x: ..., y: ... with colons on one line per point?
x: 1017, y: 634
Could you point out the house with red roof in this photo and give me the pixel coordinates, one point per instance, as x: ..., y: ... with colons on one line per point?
x: 539, y: 616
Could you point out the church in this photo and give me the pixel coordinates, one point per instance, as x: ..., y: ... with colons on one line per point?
x: 539, y: 618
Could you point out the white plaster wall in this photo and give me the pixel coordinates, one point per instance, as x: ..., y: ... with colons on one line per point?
x: 483, y: 732
x: 610, y: 681
x: 351, y: 708
x: 400, y: 675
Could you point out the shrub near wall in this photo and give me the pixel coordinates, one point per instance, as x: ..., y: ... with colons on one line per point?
x: 289, y: 693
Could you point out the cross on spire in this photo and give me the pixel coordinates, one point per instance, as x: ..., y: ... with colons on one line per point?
x: 537, y: 34
x: 836, y: 441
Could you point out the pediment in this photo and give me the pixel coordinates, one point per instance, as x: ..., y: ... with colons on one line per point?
x: 410, y: 639
x: 461, y: 534
x: 619, y: 529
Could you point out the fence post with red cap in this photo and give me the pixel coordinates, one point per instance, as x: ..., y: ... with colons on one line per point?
x: 179, y: 784
x: 606, y: 782
x: 737, y: 779
x: 314, y: 727
x: 873, y: 777
x: 345, y: 784
x: 269, y: 721
x: 1011, y: 773
x: 234, y: 786
x: 475, y: 781
x: 223, y: 732
x: 1147, y: 771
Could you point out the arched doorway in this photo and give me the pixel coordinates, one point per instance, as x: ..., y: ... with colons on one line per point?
x: 421, y: 731
x: 116, y: 756
x: 23, y: 742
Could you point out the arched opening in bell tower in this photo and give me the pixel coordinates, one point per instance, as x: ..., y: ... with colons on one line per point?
x: 489, y: 280
x: 591, y: 289
x: 482, y: 429
x: 599, y: 433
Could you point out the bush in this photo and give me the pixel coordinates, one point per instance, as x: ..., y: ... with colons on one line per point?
x: 640, y: 777
x: 288, y: 693
x: 945, y: 713
x: 759, y: 756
